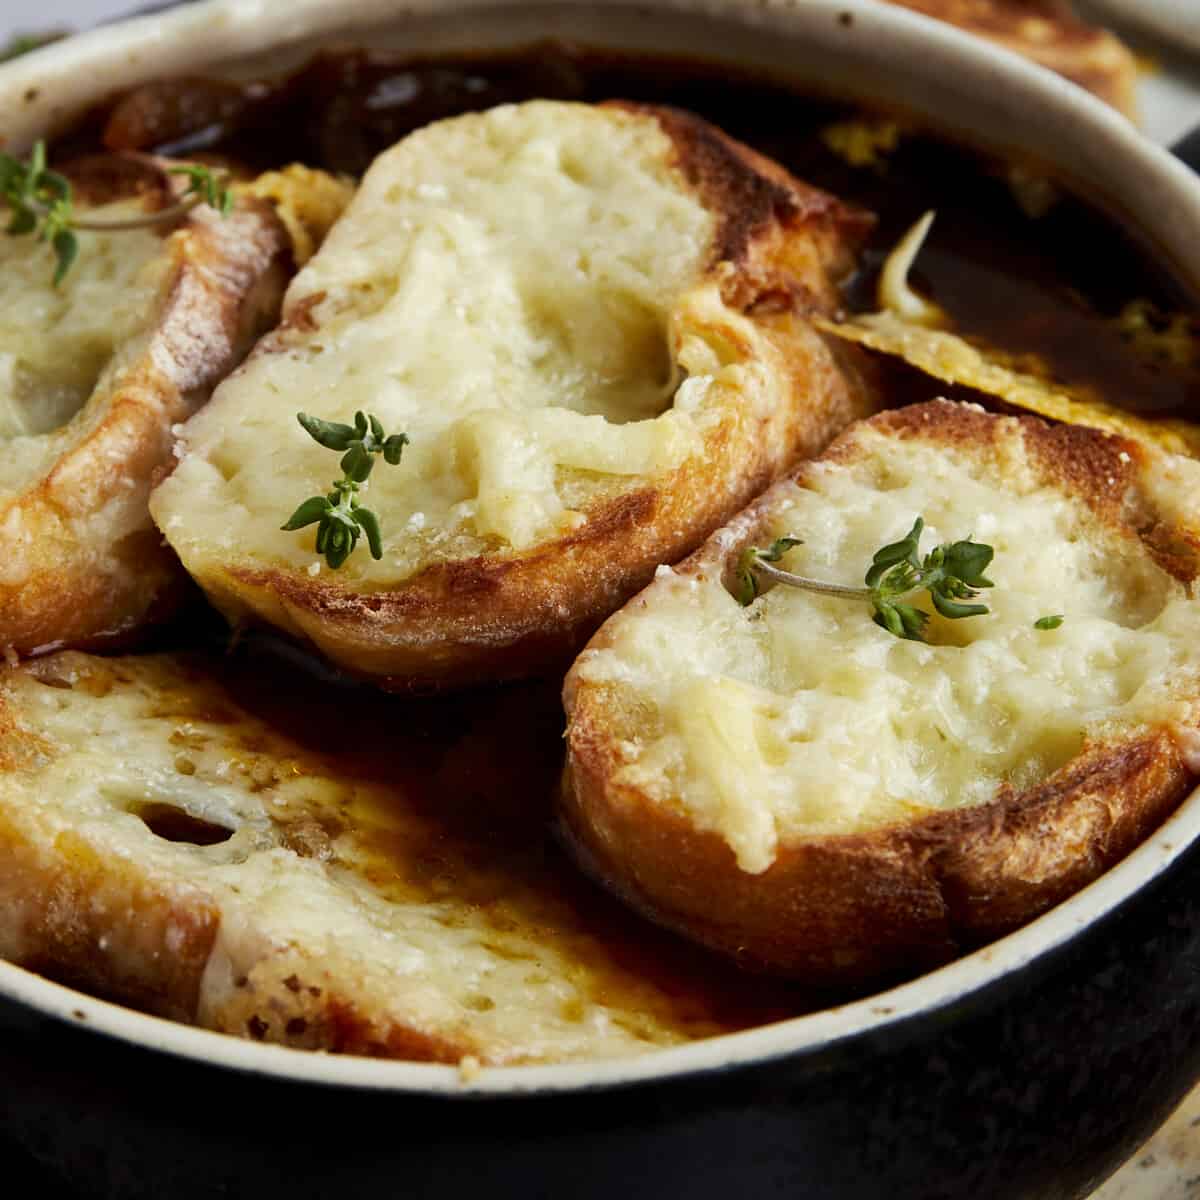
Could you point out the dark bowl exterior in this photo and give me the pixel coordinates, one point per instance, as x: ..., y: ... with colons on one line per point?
x: 1034, y: 1088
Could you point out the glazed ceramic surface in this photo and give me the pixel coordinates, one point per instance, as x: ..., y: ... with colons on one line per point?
x: 1027, y: 1070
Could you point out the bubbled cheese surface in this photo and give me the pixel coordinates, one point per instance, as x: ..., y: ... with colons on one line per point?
x: 400, y: 908
x: 57, y: 343
x: 798, y: 716
x: 502, y: 289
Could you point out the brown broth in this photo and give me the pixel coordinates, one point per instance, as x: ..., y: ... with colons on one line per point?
x: 468, y: 814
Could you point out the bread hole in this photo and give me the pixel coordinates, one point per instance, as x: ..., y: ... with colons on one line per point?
x: 479, y: 1004
x: 175, y: 825
x: 608, y: 345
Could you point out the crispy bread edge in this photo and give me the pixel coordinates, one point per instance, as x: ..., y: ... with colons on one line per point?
x: 497, y: 616
x: 1050, y: 33
x: 850, y: 909
x: 113, y: 927
x: 225, y: 282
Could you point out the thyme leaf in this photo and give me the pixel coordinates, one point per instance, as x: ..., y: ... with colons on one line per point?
x: 206, y: 185
x: 40, y: 202
x: 340, y: 519
x: 23, y: 43
x: 951, y: 573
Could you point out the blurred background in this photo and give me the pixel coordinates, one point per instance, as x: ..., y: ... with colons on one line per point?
x: 23, y: 14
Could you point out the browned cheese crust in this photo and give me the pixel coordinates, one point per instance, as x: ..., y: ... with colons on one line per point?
x: 1050, y: 33
x: 889, y: 902
x: 98, y: 566
x: 779, y: 249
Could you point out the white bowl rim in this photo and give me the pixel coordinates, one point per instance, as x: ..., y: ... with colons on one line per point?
x: 937, y: 990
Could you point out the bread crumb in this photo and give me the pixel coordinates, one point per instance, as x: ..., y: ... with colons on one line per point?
x: 469, y: 1068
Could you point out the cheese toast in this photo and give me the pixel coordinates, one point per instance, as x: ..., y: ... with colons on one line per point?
x: 789, y: 782
x: 333, y: 870
x: 94, y: 373
x: 591, y: 322
x: 1051, y: 33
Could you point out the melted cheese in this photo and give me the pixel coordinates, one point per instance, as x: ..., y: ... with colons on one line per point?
x: 308, y: 202
x: 912, y: 328
x: 952, y: 359
x: 351, y: 884
x: 798, y: 716
x: 506, y: 288
x: 57, y: 343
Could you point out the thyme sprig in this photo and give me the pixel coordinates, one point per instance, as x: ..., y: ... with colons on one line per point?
x: 205, y: 186
x: 25, y: 43
x: 951, y: 573
x: 339, y: 517
x: 40, y: 202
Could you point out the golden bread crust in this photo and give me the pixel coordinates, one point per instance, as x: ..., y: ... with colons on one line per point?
x: 1050, y: 33
x: 93, y: 564
x: 377, y: 894
x: 861, y: 907
x: 64, y: 903
x: 778, y: 250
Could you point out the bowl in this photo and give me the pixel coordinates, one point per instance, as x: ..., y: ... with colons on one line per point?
x: 1027, y: 1070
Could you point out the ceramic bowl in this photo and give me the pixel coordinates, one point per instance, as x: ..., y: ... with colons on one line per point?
x: 1027, y: 1070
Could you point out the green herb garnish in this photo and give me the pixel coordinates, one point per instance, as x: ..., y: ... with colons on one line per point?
x: 1048, y: 622
x: 951, y: 573
x: 40, y: 203
x: 339, y: 518
x: 747, y: 581
x: 23, y: 43
x: 205, y: 186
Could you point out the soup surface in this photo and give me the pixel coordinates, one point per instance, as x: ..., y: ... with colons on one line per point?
x: 1016, y: 263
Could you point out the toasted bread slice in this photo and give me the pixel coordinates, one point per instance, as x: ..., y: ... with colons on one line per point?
x: 590, y: 322
x: 791, y: 783
x: 1052, y: 34
x: 94, y: 373
x: 324, y: 870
